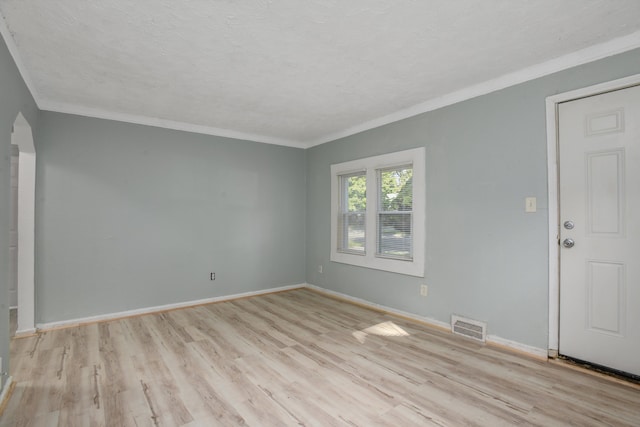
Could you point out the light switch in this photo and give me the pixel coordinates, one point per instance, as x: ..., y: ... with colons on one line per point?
x: 530, y: 204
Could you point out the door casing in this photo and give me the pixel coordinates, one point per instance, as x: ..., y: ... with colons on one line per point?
x: 553, y: 193
x: 23, y: 138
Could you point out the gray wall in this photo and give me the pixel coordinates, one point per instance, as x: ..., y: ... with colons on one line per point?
x: 130, y: 216
x: 485, y: 257
x: 14, y: 98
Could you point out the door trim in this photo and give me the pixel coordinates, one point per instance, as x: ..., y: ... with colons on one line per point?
x: 23, y: 138
x: 553, y: 193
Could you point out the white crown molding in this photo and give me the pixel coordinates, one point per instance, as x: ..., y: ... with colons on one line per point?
x: 583, y: 56
x: 60, y: 107
x: 13, y: 50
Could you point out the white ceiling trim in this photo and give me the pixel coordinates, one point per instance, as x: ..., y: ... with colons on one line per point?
x: 592, y: 53
x: 13, y: 50
x: 583, y: 56
x: 60, y: 107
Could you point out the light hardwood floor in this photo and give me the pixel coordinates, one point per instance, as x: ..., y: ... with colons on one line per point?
x: 294, y: 358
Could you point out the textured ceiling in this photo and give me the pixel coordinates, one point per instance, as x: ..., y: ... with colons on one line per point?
x: 288, y: 71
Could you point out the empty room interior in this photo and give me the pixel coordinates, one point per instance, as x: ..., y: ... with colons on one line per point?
x: 276, y: 213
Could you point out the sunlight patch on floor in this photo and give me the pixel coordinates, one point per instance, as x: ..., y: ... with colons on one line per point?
x: 384, y: 329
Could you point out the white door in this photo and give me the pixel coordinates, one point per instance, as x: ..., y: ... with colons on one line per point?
x: 13, y: 232
x: 599, y: 157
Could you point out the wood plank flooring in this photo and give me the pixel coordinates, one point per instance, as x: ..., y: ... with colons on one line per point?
x: 294, y: 358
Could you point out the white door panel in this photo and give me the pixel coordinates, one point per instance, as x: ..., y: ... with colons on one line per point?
x: 599, y: 158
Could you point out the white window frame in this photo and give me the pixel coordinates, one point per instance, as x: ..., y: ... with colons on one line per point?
x: 414, y: 157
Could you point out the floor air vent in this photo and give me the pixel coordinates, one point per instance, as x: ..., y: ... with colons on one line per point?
x: 469, y: 328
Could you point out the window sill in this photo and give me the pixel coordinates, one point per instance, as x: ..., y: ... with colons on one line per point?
x: 409, y: 268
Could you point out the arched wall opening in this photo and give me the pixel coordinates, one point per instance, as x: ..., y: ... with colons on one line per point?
x: 22, y: 137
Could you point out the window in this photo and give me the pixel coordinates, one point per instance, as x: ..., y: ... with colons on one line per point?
x: 395, y: 202
x: 353, y: 205
x: 378, y: 212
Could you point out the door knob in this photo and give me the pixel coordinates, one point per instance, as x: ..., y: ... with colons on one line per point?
x: 568, y: 243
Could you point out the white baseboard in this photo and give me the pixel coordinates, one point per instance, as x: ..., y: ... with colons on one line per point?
x: 159, y: 308
x: 514, y: 345
x: 491, y: 339
x: 433, y: 322
x: 25, y: 332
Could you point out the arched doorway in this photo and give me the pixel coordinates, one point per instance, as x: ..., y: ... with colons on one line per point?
x: 22, y: 137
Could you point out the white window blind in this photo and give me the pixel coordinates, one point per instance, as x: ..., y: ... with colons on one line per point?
x: 395, y: 213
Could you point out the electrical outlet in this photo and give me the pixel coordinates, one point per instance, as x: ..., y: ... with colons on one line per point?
x: 320, y: 269
x: 212, y: 276
x: 424, y: 290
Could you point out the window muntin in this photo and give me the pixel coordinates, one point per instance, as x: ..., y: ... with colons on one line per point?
x: 352, y: 216
x: 394, y: 231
